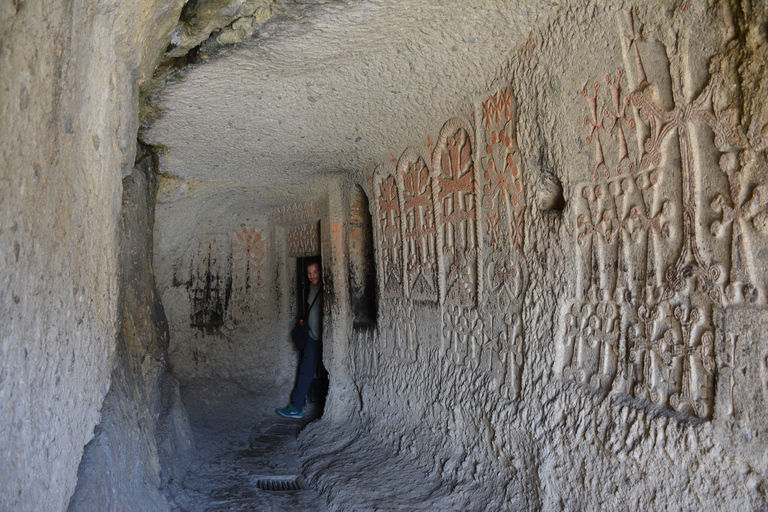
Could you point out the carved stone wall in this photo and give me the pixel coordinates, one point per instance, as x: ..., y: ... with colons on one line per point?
x: 216, y: 287
x: 665, y: 231
x: 622, y: 338
x: 450, y: 236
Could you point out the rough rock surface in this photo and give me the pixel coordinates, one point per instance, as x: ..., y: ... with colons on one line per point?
x: 569, y: 214
x: 242, y: 447
x: 143, y: 439
x: 69, y: 95
x: 336, y: 89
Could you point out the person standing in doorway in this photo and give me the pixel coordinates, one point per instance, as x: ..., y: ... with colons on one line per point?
x: 310, y: 356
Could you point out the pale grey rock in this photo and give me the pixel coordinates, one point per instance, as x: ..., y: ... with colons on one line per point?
x: 69, y: 96
x: 568, y: 214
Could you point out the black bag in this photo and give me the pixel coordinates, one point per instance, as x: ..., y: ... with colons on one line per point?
x: 300, y: 332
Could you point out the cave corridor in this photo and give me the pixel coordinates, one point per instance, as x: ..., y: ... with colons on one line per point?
x: 543, y: 229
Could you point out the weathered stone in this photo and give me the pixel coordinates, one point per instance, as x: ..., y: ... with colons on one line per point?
x: 69, y: 94
x: 143, y: 438
x: 567, y: 206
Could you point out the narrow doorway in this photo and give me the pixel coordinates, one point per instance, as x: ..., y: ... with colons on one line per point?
x: 319, y: 387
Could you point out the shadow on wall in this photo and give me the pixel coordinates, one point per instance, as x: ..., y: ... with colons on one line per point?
x: 362, y: 265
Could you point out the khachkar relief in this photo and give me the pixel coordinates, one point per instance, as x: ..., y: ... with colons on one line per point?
x: 250, y: 265
x: 210, y: 283
x: 397, y: 329
x: 388, y: 226
x: 428, y: 214
x: 665, y: 234
x: 304, y: 240
x: 742, y: 361
x: 419, y: 231
x: 501, y: 280
x: 455, y: 193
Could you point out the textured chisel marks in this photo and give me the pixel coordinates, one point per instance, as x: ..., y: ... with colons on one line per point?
x: 419, y: 233
x: 364, y: 356
x: 304, y: 240
x: 298, y: 212
x: 210, y: 285
x: 251, y: 250
x: 455, y: 198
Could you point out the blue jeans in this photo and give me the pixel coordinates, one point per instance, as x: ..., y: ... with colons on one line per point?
x: 310, y: 357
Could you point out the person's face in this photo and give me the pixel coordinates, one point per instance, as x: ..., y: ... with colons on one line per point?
x: 313, y: 273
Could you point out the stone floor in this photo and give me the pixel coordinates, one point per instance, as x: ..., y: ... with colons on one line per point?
x: 240, y: 440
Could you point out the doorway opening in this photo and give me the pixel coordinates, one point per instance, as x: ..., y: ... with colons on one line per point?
x: 318, y: 390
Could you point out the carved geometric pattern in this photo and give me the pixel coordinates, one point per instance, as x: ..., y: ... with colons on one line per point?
x: 304, y: 240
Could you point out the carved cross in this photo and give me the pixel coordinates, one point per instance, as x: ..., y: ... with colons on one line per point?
x: 736, y: 375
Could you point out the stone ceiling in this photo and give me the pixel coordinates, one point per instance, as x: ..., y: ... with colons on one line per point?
x: 332, y: 87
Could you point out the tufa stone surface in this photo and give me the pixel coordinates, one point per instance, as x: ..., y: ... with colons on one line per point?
x: 143, y: 439
x: 568, y: 214
x: 69, y: 93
